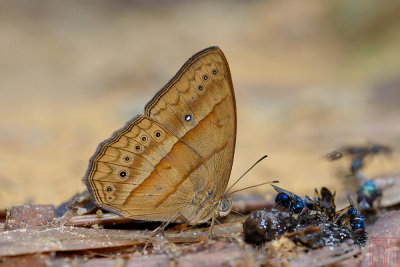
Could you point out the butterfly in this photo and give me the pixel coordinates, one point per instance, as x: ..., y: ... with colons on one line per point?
x: 173, y: 163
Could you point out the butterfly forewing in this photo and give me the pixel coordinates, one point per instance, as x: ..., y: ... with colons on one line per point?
x: 205, y: 87
x: 178, y: 157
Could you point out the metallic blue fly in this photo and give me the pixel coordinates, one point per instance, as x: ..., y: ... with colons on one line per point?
x: 289, y: 200
x: 366, y: 194
x: 352, y: 216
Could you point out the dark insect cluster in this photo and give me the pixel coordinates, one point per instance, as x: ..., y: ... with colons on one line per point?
x: 368, y: 190
x: 314, y: 221
x: 358, y: 154
x: 324, y: 202
x: 317, y: 223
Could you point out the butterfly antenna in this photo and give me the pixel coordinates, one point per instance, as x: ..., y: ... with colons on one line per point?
x: 271, y: 182
x: 238, y: 213
x: 258, y: 161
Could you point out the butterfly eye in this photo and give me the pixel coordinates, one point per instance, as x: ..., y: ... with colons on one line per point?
x: 214, y: 72
x: 200, y: 87
x: 158, y: 134
x: 205, y: 77
x: 144, y: 138
x: 225, y: 207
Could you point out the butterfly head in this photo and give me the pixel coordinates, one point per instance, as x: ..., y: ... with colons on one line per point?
x: 225, y: 206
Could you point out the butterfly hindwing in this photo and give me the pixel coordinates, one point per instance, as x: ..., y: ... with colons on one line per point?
x: 176, y: 158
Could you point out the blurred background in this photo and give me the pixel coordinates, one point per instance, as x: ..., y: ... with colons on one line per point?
x: 309, y: 76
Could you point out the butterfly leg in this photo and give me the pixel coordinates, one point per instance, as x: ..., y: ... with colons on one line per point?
x: 215, y: 221
x: 212, y: 226
x: 160, y: 229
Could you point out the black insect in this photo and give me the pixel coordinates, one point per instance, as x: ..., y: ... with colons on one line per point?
x: 358, y: 154
x: 353, y: 217
x: 289, y: 200
x: 324, y: 202
x: 379, y: 149
x: 327, y: 202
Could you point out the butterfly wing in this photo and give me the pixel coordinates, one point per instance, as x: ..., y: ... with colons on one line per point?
x: 198, y: 106
x: 178, y: 157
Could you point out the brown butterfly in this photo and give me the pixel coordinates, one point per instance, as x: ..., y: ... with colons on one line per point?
x: 173, y: 163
